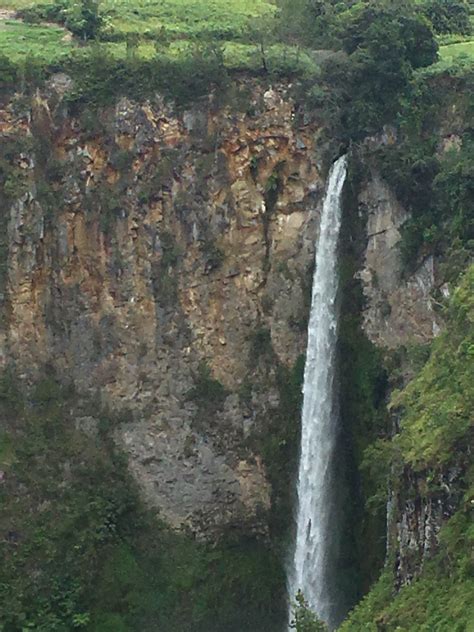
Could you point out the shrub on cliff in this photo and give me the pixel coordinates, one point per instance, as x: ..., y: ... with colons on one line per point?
x: 100, y: 77
x: 304, y: 620
x: 8, y: 73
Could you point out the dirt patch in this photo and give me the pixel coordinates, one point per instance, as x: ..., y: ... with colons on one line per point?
x: 7, y: 14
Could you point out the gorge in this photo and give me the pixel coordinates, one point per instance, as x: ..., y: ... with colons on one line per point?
x: 213, y: 326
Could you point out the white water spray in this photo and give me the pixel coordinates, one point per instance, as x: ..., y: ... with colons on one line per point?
x: 314, y: 554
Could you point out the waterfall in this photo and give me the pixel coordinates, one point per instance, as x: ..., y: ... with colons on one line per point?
x: 317, y: 520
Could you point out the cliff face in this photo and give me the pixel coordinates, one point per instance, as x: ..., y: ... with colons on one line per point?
x: 400, y: 313
x: 147, y: 251
x: 398, y: 310
x: 152, y: 257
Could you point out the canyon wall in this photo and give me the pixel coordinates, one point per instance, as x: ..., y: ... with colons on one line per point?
x: 154, y: 256
x: 148, y: 252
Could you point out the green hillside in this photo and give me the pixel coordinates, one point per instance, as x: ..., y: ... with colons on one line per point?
x: 437, y: 427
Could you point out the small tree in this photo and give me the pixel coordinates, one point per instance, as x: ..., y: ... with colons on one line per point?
x: 448, y: 16
x: 8, y: 73
x: 304, y: 619
x: 82, y: 19
x: 261, y: 33
x: 91, y: 18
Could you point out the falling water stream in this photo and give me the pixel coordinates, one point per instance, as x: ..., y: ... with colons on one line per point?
x: 312, y: 570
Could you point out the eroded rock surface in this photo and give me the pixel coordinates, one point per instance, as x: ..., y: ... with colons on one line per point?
x: 146, y: 242
x: 399, y: 310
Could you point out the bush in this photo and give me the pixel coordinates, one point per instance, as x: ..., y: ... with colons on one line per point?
x: 448, y: 16
x: 82, y: 18
x: 208, y: 394
x: 304, y: 620
x: 8, y: 73
x: 100, y: 78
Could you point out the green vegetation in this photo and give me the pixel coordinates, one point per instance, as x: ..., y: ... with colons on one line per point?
x: 459, y: 51
x: 149, y: 46
x: 14, y: 5
x: 436, y: 186
x: 142, y: 47
x: 209, y: 396
x: 303, y: 619
x: 80, y: 18
x: 185, y: 19
x: 321, y: 23
x: 435, y: 434
x: 448, y: 16
x: 363, y: 86
x: 100, y: 75
x: 80, y: 552
x: 379, y: 49
x: 441, y: 599
x: 36, y: 42
x: 438, y: 404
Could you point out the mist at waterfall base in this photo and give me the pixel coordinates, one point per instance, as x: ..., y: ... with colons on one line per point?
x: 318, y: 498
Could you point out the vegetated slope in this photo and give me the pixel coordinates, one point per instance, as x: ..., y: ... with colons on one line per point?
x: 435, y: 437
x: 78, y: 549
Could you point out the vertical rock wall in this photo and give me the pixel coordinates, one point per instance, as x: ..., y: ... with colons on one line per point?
x: 146, y: 249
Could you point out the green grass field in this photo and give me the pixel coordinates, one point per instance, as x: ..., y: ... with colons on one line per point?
x: 175, y: 26
x: 459, y: 49
x: 454, y: 59
x: 18, y: 4
x: 220, y: 19
x: 182, y: 19
x: 19, y: 41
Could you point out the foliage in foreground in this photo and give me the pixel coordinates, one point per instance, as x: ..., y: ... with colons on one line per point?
x: 304, y: 620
